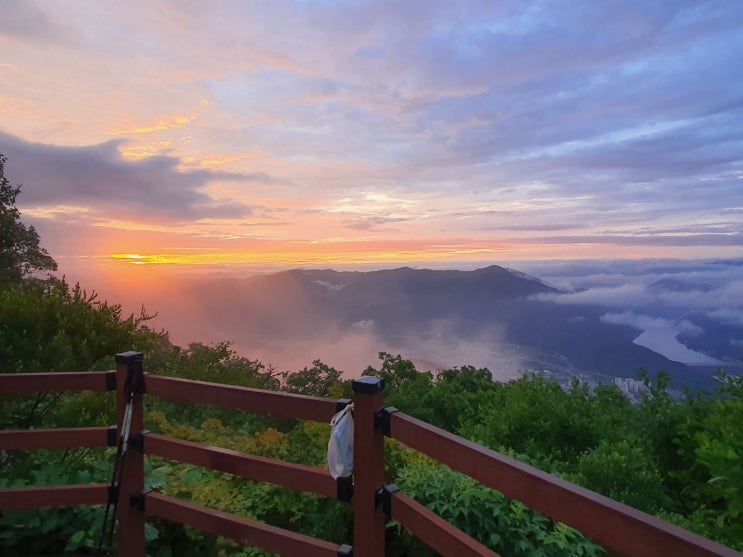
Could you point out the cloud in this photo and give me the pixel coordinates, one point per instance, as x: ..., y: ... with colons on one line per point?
x: 726, y: 296
x: 162, y: 124
x: 664, y: 300
x: 648, y: 238
x: 373, y: 222
x: 643, y: 322
x: 354, y: 349
x: 565, y: 126
x: 23, y: 19
x: 97, y: 177
x: 441, y: 346
x: 654, y: 293
x: 620, y: 296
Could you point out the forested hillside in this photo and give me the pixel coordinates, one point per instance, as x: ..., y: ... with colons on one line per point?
x: 679, y: 459
x: 493, y: 317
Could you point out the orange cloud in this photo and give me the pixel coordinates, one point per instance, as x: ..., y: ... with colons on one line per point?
x: 163, y: 124
x: 145, y: 150
x: 217, y: 160
x: 337, y: 251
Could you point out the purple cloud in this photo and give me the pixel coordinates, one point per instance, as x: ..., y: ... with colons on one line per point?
x: 97, y: 176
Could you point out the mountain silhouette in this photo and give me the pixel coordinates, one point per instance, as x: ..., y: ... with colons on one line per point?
x: 401, y: 306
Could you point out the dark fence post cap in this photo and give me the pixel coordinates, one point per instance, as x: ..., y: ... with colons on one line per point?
x: 368, y: 385
x: 128, y: 357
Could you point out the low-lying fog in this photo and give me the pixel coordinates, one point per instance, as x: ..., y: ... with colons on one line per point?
x: 667, y: 302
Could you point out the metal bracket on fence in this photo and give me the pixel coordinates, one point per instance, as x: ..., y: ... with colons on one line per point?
x: 345, y: 551
x: 344, y: 486
x: 113, y: 494
x: 112, y: 439
x: 137, y: 500
x: 384, y: 497
x: 382, y: 419
x: 341, y: 403
x: 110, y: 380
x: 136, y: 441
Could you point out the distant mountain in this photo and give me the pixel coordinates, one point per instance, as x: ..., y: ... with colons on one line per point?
x: 425, y: 313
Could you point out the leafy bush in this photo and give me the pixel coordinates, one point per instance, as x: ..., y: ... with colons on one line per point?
x: 506, y: 526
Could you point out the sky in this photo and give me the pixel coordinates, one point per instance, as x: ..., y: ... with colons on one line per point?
x: 249, y: 135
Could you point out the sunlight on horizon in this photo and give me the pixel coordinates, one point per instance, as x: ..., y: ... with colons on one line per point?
x: 309, y: 257
x: 382, y: 255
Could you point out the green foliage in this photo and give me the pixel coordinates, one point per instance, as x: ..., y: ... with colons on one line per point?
x: 396, y: 371
x: 675, y: 457
x: 623, y: 471
x: 504, y: 525
x: 20, y: 253
x: 53, y: 327
x: 58, y: 328
x: 218, y: 363
x: 319, y: 380
x: 51, y: 531
x: 719, y: 449
x: 405, y: 386
x: 535, y: 416
x: 302, y: 512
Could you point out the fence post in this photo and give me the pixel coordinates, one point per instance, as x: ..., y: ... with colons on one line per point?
x: 130, y: 368
x: 368, y: 463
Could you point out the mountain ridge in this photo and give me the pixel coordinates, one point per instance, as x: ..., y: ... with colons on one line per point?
x: 499, y: 310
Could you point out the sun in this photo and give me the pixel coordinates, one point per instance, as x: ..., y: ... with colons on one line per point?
x: 130, y: 258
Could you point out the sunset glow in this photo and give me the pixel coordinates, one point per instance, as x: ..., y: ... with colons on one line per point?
x: 224, y: 136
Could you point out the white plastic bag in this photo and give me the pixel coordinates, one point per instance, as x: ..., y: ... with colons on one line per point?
x: 340, y: 446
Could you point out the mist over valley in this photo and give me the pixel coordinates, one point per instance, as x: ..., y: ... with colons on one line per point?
x: 595, y: 320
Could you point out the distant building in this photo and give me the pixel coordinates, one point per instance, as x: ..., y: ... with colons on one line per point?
x: 632, y: 388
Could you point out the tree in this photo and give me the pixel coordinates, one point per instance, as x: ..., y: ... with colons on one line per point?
x: 20, y: 253
x: 719, y: 450
x: 63, y: 328
x: 58, y: 328
x: 319, y: 380
x: 396, y: 371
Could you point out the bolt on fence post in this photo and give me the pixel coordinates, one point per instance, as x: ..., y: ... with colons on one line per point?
x: 368, y: 468
x: 130, y: 375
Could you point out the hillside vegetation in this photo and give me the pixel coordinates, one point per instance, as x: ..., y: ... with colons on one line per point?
x: 676, y: 458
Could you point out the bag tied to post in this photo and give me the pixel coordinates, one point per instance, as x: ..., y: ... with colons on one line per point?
x: 340, y: 445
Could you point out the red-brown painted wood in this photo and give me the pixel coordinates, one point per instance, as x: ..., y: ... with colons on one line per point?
x: 252, y: 400
x: 368, y: 469
x: 55, y: 381
x: 293, y: 476
x: 61, y: 438
x: 434, y: 530
x: 614, y: 525
x: 131, y: 519
x: 240, y: 529
x: 53, y: 496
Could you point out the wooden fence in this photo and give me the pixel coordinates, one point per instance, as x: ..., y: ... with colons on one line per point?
x: 618, y: 527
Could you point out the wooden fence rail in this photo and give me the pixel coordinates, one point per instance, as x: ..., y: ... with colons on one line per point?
x: 614, y: 525
x: 256, y: 468
x: 53, y: 496
x: 257, y: 401
x: 431, y: 528
x: 18, y: 383
x: 60, y: 438
x: 618, y: 527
